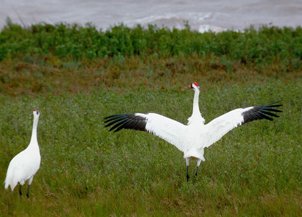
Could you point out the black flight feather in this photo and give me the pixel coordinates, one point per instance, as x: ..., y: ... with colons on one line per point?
x: 261, y: 112
x: 125, y: 121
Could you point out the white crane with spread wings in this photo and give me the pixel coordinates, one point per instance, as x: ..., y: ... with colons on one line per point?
x: 192, y: 138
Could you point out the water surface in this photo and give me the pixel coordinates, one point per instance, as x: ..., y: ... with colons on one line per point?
x: 201, y: 15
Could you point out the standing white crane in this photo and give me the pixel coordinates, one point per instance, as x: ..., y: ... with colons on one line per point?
x: 24, y: 165
x: 192, y: 138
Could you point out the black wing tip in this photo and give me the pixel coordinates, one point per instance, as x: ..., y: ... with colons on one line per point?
x: 118, y: 122
x: 113, y: 116
x: 272, y: 108
x: 262, y: 112
x: 109, y: 120
x: 273, y: 105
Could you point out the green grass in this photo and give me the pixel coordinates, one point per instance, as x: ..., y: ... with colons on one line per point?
x: 78, y: 75
x: 255, y: 170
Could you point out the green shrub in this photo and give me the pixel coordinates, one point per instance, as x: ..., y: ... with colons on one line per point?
x: 263, y: 46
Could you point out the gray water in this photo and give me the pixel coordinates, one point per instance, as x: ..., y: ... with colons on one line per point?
x: 201, y: 15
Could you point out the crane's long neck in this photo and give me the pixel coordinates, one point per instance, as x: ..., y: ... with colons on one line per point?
x: 196, y: 115
x: 196, y: 103
x: 34, y: 139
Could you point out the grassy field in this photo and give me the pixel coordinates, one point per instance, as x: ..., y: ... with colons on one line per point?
x: 255, y: 170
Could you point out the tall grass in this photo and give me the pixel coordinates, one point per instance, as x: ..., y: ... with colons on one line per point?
x: 261, y: 47
x: 88, y: 171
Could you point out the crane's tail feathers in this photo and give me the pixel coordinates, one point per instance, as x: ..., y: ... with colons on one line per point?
x: 7, y: 181
x: 6, y: 185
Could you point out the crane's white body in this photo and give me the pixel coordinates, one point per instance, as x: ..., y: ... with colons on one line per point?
x: 24, y: 165
x: 194, y: 137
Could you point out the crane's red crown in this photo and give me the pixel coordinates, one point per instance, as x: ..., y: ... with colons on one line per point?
x: 196, y: 84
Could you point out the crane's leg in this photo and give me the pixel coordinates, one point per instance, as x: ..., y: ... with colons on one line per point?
x: 197, y: 167
x: 187, y: 166
x: 28, y: 186
x: 27, y: 193
x: 20, y: 190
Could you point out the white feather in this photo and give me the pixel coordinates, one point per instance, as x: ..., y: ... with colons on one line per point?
x: 217, y: 128
x: 165, y: 128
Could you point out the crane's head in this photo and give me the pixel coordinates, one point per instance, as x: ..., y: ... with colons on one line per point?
x: 194, y: 86
x: 36, y: 113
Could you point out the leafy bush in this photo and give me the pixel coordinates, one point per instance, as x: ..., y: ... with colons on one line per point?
x: 263, y: 46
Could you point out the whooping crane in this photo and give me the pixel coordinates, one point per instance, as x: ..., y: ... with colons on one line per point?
x: 192, y: 138
x: 24, y: 165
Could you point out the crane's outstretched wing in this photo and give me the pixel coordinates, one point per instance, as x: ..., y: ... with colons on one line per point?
x: 161, y: 126
x: 218, y: 127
